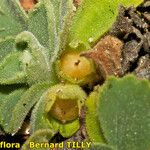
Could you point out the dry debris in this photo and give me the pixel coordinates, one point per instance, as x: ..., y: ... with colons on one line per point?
x: 107, y: 56
x: 133, y: 28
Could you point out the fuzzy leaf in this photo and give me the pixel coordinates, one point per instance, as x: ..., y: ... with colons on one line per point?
x: 6, y: 46
x: 12, y: 18
x: 8, y: 106
x: 51, y: 15
x: 93, y: 19
x: 24, y: 105
x: 38, y: 117
x: 62, y: 11
x: 42, y: 25
x: 40, y: 136
x: 92, y: 123
x: 11, y: 70
x: 67, y: 129
x: 62, y: 8
x: 98, y: 146
x: 5, y: 90
x: 124, y: 113
x: 35, y: 58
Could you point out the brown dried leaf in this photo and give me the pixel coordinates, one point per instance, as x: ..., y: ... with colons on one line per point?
x: 107, y: 56
x: 77, y: 2
x: 28, y: 4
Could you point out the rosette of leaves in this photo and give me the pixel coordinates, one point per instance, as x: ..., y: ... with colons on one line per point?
x: 31, y: 43
x: 122, y: 116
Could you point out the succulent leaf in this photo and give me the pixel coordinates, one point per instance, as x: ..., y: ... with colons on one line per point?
x: 13, y: 18
x: 124, y: 114
x: 7, y: 107
x: 93, y: 128
x: 11, y: 71
x: 40, y: 136
x: 24, y: 105
x: 93, y: 19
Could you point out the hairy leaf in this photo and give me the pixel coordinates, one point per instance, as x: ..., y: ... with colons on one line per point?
x: 38, y: 117
x: 92, y: 123
x: 36, y: 60
x: 8, y: 106
x: 124, y: 113
x: 11, y: 70
x: 41, y: 27
x: 23, y: 106
x: 98, y: 146
x: 67, y: 129
x: 40, y: 136
x: 93, y: 19
x: 6, y: 46
x: 62, y: 11
x: 13, y: 19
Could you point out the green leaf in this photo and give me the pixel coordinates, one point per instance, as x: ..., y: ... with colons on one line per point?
x: 92, y: 123
x: 53, y: 15
x: 11, y: 70
x: 6, y: 47
x: 24, y: 105
x: 13, y: 18
x: 67, y: 129
x: 5, y: 90
x: 42, y: 26
x: 8, y: 106
x: 35, y: 58
x: 40, y: 136
x: 62, y: 8
x: 124, y: 113
x: 38, y: 117
x: 98, y: 146
x: 93, y: 19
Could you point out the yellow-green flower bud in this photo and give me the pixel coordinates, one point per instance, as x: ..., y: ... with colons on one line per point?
x: 64, y: 102
x: 76, y: 69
